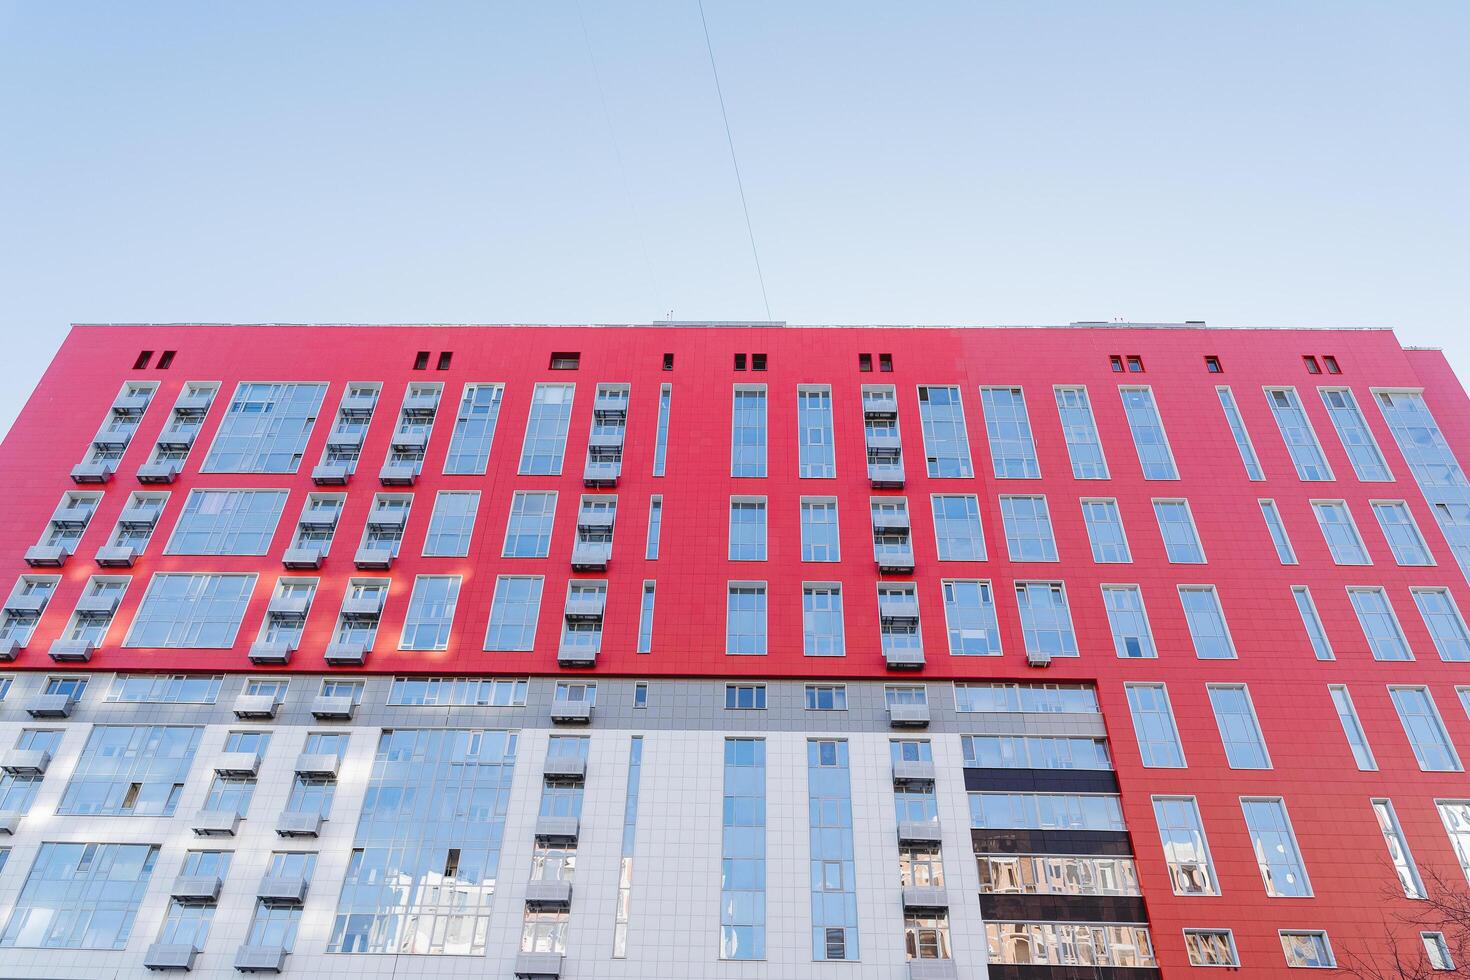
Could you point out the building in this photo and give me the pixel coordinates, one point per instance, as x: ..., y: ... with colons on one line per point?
x: 731, y: 651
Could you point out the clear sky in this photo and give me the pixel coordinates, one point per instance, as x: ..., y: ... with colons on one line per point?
x: 1248, y: 164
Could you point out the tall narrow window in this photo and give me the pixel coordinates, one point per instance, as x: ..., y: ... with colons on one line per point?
x: 1284, y: 552
x: 748, y: 432
x: 1296, y: 432
x: 1402, y: 534
x: 1028, y: 529
x: 1239, y: 434
x: 661, y: 434
x: 1154, y: 455
x: 1240, y: 731
x: 1352, y: 728
x: 546, y: 429
x: 1176, y: 526
x: 946, y: 446
x: 1046, y: 622
x: 822, y: 628
x: 1455, y: 815
x: 745, y: 619
x: 1206, y: 620
x: 819, y: 540
x: 1079, y: 429
x: 833, y: 855
x: 1425, y: 730
x: 474, y: 429
x: 1105, y: 531
x: 969, y: 615
x: 1312, y: 623
x: 1186, y: 851
x: 743, y: 851
x: 1380, y: 626
x: 1398, y: 850
x: 630, y: 830
x: 1153, y: 724
x: 655, y: 526
x: 747, y: 529
x: 1340, y: 532
x: 1132, y: 638
x: 957, y: 527
x: 1357, y: 441
x: 1279, y: 859
x: 1435, y: 468
x: 645, y: 619
x: 814, y: 432
x: 1012, y: 450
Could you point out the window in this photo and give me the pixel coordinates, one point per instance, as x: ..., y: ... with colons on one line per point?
x: 127, y: 770
x: 1210, y: 947
x: 528, y: 532
x: 1347, y: 714
x: 814, y: 433
x: 546, y: 429
x: 1380, y: 625
x: 645, y: 618
x: 746, y: 697
x: 1186, y: 850
x: 969, y: 616
x: 661, y: 434
x: 191, y: 610
x: 1035, y: 752
x: 265, y: 428
x: 1154, y: 455
x: 1153, y: 724
x: 640, y: 696
x: 1044, y: 874
x: 1307, y: 949
x: 1079, y: 430
x: 1212, y: 364
x: 1128, y: 620
x: 1238, y: 432
x: 421, y: 361
x: 1436, y: 949
x: 655, y: 527
x: 1206, y: 619
x: 893, y: 546
x: 1028, y: 698
x: 668, y: 362
x: 1115, y: 361
x: 1340, y: 532
x: 745, y: 619
x: 1444, y: 622
x: 500, y: 692
x: 1455, y: 815
x: 1402, y: 534
x: 1012, y: 450
x: 865, y: 362
x: 1398, y: 849
x: 819, y: 538
x: 474, y: 429
x: 905, y: 694
x: 946, y: 446
x: 165, y: 689
x: 1310, y: 363
x: 1330, y: 363
x: 452, y: 523
x: 1240, y: 731
x: 1043, y: 811
x: 957, y: 527
x: 748, y: 432
x: 1028, y: 529
x: 1135, y: 364
x: 1274, y: 844
x: 1296, y: 432
x: 747, y: 529
x: 565, y: 360
x: 445, y: 358
x: 1312, y: 623
x: 1277, y: 530
x: 1434, y: 466
x: 899, y: 634
x: 81, y: 896
x: 822, y: 627
x: 885, y: 363
x: 1357, y: 441
x: 1176, y: 526
x: 227, y: 522
x: 1425, y: 730
x: 1105, y: 531
x: 826, y: 697
x: 740, y: 361
x: 743, y: 851
x: 757, y: 362
x: 1046, y: 622
x: 430, y: 613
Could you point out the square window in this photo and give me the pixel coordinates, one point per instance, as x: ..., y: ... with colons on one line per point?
x: 1135, y: 364
x: 1330, y: 363
x: 865, y: 363
x: 444, y: 358
x: 885, y: 363
x: 740, y: 362
x: 166, y: 360
x: 421, y: 360
x: 141, y: 361
x: 1116, y: 363
x: 1212, y: 364
x: 1312, y: 368
x: 757, y: 362
x: 565, y: 360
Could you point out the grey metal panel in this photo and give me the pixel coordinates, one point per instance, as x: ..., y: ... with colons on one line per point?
x: 165, y: 471
x: 260, y: 959
x: 25, y: 762
x: 72, y: 651
x: 329, y: 474
x: 170, y: 956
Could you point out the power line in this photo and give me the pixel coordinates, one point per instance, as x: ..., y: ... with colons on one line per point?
x: 749, y: 230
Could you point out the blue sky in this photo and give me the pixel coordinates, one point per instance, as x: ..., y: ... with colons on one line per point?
x: 1254, y: 164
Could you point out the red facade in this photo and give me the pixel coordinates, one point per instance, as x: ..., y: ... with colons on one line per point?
x: 1313, y: 769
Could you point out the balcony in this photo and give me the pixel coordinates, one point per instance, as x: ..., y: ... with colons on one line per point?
x: 72, y: 651
x: 116, y: 556
x: 398, y: 475
x: 918, y: 832
x: 332, y: 707
x: 22, y: 603
x: 109, y: 439
x: 572, y: 768
x: 420, y: 406
x: 237, y: 763
x: 891, y: 522
x: 898, y: 609
x: 164, y: 471
x: 95, y: 471
x: 882, y: 443
x: 886, y: 476
x: 880, y: 405
x: 571, y: 712
x: 9, y: 823
x: 51, y: 706
x: 170, y: 956
x: 358, y: 405
x: 255, y: 706
x: 192, y: 404
x: 98, y: 605
x: 932, y: 970
x: 584, y: 606
x: 373, y: 558
x: 260, y: 959
x: 538, y: 966
x: 303, y: 558
x: 47, y: 555
x: 215, y: 823
x: 908, y: 715
x: 895, y: 561
x: 591, y: 556
x: 595, y: 521
x: 196, y: 888
x: 348, y: 654
x: 601, y: 473
x: 611, y: 404
x: 552, y: 893
x: 9, y: 648
x: 179, y: 440
x: 557, y: 828
x: 272, y: 652
x: 330, y: 474
x: 282, y: 889
x: 290, y: 606
x: 345, y: 440
x: 913, y: 771
x: 364, y: 606
x: 904, y: 659
x: 410, y: 442
x: 290, y: 824
x: 318, y: 765
x: 131, y: 403
x: 26, y: 762
x: 576, y: 656
x: 605, y: 445
x: 925, y: 897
